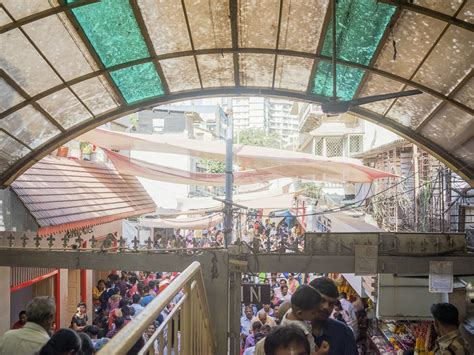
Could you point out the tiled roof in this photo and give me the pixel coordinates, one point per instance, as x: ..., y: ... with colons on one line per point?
x: 64, y: 194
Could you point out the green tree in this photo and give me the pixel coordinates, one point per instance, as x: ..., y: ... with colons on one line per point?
x: 213, y: 166
x: 258, y: 137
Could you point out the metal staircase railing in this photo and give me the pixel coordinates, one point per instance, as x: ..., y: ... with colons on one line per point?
x: 185, y: 330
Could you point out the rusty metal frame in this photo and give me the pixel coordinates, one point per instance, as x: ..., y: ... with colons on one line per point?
x: 290, y: 53
x: 277, y: 44
x: 234, y: 26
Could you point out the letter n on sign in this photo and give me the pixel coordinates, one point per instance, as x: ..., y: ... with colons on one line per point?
x: 255, y: 293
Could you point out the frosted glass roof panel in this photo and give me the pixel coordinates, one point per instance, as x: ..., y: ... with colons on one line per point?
x: 412, y: 110
x: 292, y: 73
x: 466, y: 152
x: 306, y: 14
x: 180, y: 73
x: 96, y: 94
x: 466, y: 94
x: 448, y: 7
x: 69, y: 60
x: 258, y: 23
x: 450, y: 127
x: 8, y: 96
x: 166, y: 25
x: 29, y: 126
x: 24, y: 64
x: 65, y: 108
x: 216, y: 70
x: 420, y: 32
x: 10, y: 151
x: 467, y: 12
x: 449, y: 62
x: 4, y: 18
x: 23, y: 8
x: 256, y: 69
x: 209, y: 23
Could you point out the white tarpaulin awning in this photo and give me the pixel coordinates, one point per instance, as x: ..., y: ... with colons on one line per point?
x: 205, y: 222
x: 303, y: 165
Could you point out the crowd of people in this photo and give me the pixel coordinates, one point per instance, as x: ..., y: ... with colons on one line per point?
x: 187, y: 239
x: 116, y: 300
x: 302, y: 318
x: 316, y: 319
x: 268, y: 236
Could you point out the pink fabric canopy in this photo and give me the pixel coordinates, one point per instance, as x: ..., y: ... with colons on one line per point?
x: 268, y: 163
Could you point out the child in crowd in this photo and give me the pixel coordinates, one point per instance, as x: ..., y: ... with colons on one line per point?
x: 304, y: 309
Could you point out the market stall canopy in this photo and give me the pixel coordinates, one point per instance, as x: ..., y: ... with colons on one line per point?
x: 267, y: 163
x: 69, y: 66
x: 205, y: 222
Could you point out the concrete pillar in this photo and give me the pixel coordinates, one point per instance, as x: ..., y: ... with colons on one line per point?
x: 5, y: 297
x: 63, y: 298
x: 215, y: 275
x: 235, y: 279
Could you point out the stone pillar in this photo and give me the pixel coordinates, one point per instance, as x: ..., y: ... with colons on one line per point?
x: 5, y: 297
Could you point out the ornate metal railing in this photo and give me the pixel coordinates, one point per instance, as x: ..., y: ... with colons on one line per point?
x: 186, y: 329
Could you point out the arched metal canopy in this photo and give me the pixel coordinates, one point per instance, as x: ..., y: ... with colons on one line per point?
x: 67, y: 67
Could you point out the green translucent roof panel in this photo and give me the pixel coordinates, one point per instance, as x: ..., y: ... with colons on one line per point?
x: 360, y: 24
x: 348, y: 80
x: 138, y: 82
x: 111, y: 28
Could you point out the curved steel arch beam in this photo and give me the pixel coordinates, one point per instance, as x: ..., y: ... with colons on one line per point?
x: 31, y: 158
x: 455, y: 164
x: 313, y: 56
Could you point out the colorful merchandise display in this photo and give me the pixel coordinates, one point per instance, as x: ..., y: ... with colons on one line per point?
x: 396, y: 337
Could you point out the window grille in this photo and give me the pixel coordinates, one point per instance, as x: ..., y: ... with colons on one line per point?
x: 334, y: 147
x: 318, y: 146
x: 356, y: 143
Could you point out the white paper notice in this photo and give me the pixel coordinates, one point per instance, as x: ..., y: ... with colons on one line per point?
x: 366, y: 259
x: 441, y: 276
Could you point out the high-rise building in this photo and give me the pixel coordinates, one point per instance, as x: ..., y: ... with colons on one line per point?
x: 269, y: 114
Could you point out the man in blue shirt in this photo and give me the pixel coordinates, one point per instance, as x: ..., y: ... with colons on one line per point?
x: 246, y: 323
x: 147, y: 297
x: 338, y: 335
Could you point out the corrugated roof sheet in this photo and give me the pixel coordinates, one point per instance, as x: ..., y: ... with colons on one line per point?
x: 64, y: 194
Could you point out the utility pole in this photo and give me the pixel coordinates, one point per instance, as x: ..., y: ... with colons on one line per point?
x: 229, y: 141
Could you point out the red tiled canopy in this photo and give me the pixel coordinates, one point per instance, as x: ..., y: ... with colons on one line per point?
x: 63, y: 194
